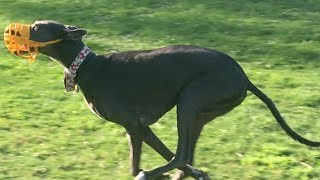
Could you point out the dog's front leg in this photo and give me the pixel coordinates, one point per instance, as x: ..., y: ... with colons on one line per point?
x: 135, y: 144
x: 156, y: 144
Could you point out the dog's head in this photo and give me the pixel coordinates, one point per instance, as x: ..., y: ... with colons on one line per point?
x: 48, y: 30
x: 47, y: 37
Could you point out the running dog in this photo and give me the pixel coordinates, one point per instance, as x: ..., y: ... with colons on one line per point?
x: 135, y: 88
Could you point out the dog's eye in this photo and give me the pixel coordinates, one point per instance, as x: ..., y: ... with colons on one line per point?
x: 37, y: 27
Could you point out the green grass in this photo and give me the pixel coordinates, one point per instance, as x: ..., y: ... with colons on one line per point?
x: 45, y: 134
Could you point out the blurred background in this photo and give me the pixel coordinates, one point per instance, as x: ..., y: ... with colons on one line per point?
x: 45, y: 134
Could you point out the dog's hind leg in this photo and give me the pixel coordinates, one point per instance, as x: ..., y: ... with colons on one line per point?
x: 155, y: 143
x: 186, y: 121
x: 181, y: 174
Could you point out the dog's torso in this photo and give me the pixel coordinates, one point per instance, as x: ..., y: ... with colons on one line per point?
x: 143, y: 85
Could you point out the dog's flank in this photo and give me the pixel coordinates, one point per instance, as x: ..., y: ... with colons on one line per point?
x: 135, y: 88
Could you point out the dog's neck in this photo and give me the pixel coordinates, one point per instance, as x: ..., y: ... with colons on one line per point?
x: 69, y: 54
x: 70, y: 74
x: 65, y: 52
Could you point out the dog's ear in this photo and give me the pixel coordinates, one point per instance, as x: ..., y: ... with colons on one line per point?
x: 74, y: 33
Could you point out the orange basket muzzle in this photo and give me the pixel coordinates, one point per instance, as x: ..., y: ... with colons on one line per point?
x: 17, y: 39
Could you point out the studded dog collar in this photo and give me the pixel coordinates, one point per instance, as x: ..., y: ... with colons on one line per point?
x: 70, y: 74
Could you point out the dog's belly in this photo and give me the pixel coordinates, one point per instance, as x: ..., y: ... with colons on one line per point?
x: 124, y: 101
x: 124, y: 112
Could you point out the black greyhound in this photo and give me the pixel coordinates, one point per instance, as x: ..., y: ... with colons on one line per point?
x: 135, y: 88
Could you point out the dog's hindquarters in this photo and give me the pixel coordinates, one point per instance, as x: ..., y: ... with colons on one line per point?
x: 207, y: 96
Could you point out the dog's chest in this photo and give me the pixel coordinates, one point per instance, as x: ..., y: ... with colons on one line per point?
x: 92, y: 108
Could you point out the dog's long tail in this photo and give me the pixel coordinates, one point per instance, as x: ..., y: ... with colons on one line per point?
x: 252, y: 88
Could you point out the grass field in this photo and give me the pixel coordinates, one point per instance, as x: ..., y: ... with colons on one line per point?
x: 45, y: 134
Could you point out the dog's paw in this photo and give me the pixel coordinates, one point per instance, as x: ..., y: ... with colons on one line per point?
x: 179, y: 175
x: 204, y: 176
x: 141, y: 176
